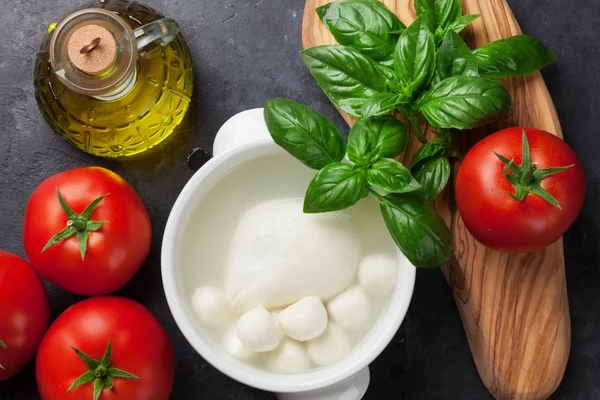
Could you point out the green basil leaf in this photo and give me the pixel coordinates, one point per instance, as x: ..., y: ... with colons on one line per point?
x: 387, y: 62
x: 335, y: 187
x: 464, y: 102
x: 454, y: 58
x: 459, y: 24
x: 513, y: 56
x: 391, y: 176
x: 425, y: 9
x: 365, y: 25
x: 447, y: 11
x: 380, y: 104
x: 387, y: 72
x: 414, y: 59
x: 373, y: 138
x: 419, y: 232
x: 347, y: 76
x: 438, y: 13
x: 431, y: 149
x: 432, y: 174
x: 304, y: 133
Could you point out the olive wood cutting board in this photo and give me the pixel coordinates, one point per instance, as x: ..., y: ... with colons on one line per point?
x: 514, y: 308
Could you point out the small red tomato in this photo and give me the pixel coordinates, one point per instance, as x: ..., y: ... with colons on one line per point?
x: 519, y: 189
x: 24, y: 313
x: 87, y: 231
x: 105, y: 348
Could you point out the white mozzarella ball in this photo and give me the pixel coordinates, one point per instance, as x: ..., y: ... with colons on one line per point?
x: 377, y: 274
x: 289, y: 358
x: 304, y: 320
x: 210, y: 305
x: 329, y: 347
x: 350, y: 308
x: 257, y: 330
x: 234, y: 347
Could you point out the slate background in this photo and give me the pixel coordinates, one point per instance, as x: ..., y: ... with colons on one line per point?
x: 245, y: 52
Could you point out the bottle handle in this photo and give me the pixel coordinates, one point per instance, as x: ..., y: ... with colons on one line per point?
x: 162, y: 31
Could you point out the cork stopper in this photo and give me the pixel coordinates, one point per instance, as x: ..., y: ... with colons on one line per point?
x: 92, y: 49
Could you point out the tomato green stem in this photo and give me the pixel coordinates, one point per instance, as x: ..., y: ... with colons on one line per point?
x: 78, y: 224
x: 100, y: 372
x: 527, y: 177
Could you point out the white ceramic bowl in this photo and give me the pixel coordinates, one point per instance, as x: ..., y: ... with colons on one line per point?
x: 347, y: 379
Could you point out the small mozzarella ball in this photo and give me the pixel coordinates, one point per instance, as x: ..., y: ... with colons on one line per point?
x: 258, y: 331
x: 349, y: 309
x: 289, y: 358
x: 377, y: 274
x: 330, y: 347
x: 234, y: 347
x: 210, y: 305
x: 304, y: 320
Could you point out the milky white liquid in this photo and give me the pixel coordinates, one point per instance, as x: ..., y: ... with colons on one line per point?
x: 210, y: 230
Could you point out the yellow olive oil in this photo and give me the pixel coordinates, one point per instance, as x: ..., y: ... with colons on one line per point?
x: 136, y: 120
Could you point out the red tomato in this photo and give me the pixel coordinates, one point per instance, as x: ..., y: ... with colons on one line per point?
x: 549, y: 204
x: 24, y: 313
x: 105, y: 250
x: 142, y: 365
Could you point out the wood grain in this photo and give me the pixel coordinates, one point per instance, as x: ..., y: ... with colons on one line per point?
x: 514, y: 307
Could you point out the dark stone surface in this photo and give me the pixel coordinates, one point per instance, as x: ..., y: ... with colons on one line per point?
x: 245, y: 52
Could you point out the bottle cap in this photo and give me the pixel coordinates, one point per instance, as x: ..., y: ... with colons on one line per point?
x: 92, y: 49
x: 94, y: 52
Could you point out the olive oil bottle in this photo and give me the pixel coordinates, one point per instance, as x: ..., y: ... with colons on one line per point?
x: 113, y: 78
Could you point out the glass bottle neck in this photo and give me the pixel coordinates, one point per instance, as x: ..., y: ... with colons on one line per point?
x: 104, y: 69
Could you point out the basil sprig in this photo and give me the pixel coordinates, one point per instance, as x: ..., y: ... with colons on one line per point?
x: 359, y: 79
x: 423, y: 71
x: 415, y: 227
x: 443, y: 16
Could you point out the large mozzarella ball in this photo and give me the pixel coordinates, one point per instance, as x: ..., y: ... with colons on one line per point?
x: 377, y: 274
x: 290, y: 358
x: 257, y: 330
x: 279, y: 255
x: 210, y: 305
x: 304, y: 320
x: 234, y: 347
x: 329, y: 347
x: 350, y: 308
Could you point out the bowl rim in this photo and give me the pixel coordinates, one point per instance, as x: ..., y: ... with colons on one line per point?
x: 361, y: 355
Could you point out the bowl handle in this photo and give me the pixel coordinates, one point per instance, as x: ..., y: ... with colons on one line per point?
x: 353, y: 388
x: 243, y: 127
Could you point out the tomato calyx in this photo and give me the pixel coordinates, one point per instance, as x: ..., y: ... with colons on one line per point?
x: 78, y: 224
x: 100, y: 372
x: 526, y: 178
